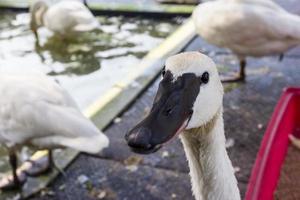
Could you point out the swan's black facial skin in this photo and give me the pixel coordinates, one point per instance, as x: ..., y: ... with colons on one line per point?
x: 171, y: 110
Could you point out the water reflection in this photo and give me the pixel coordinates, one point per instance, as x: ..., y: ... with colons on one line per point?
x: 117, y: 37
x: 77, y: 54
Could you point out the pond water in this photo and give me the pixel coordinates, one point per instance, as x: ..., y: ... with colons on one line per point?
x: 88, y: 65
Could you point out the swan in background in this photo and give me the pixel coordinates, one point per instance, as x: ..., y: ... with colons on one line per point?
x: 248, y: 28
x: 64, y: 18
x: 36, y: 112
x: 189, y: 102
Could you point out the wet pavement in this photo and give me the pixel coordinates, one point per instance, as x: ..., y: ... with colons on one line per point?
x: 119, y: 174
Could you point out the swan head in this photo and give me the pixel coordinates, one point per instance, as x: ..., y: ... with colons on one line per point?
x: 37, y: 10
x: 190, y: 94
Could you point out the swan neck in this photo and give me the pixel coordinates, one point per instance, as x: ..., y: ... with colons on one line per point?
x: 38, y: 12
x: 211, y: 170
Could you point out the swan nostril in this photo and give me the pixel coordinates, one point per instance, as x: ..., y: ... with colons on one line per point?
x: 168, y: 112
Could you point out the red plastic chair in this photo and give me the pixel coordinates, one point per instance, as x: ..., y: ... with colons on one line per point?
x: 274, y: 146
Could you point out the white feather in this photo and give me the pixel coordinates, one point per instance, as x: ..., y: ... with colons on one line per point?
x: 35, y: 110
x: 66, y: 17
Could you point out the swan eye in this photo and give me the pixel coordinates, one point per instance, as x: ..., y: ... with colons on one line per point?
x: 205, y: 77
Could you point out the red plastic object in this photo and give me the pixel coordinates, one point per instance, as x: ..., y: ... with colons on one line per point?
x: 266, y: 171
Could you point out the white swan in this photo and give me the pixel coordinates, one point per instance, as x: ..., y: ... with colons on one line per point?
x: 189, y: 101
x: 179, y: 1
x: 35, y: 111
x: 64, y: 18
x: 247, y: 27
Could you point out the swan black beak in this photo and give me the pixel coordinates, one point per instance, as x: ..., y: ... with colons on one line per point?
x: 170, y: 114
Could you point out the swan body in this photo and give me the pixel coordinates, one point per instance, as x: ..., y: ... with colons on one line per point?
x: 189, y: 102
x: 36, y: 112
x: 247, y: 27
x: 63, y: 18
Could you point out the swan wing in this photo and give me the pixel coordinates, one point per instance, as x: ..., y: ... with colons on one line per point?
x: 71, y: 16
x: 264, y: 25
x: 264, y: 3
x: 64, y: 127
x: 37, y: 111
x: 248, y: 28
